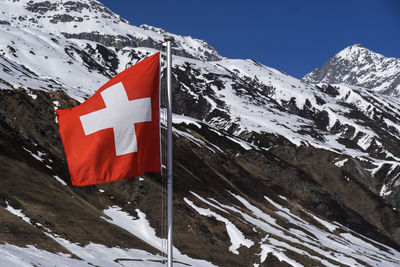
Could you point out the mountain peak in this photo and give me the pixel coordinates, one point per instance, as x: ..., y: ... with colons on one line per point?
x: 355, y: 45
x: 354, y: 48
x: 92, y: 21
x: 357, y: 65
x: 359, y: 53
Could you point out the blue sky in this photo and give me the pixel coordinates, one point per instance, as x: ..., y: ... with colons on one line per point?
x: 294, y: 36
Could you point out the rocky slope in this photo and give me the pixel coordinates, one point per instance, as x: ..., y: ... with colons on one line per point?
x: 269, y: 170
x: 356, y: 65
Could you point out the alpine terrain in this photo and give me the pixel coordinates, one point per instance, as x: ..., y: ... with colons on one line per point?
x: 356, y: 65
x: 269, y: 170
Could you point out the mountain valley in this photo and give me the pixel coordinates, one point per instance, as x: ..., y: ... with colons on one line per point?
x: 269, y: 170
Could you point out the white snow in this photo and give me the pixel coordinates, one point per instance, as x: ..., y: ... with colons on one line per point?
x: 178, y: 119
x: 56, y: 104
x: 325, y: 245
x: 95, y: 254
x: 140, y: 227
x: 47, y: 61
x: 365, y: 68
x: 331, y: 227
x: 236, y: 236
x: 14, y: 256
x: 37, y: 157
x: 100, y: 255
x: 277, y: 252
x: 242, y: 143
x: 59, y: 180
x: 18, y: 213
x: 92, y: 19
x: 32, y: 95
x: 341, y: 163
x: 196, y: 140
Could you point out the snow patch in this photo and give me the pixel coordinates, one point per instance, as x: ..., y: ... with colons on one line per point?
x: 236, y: 236
x: 18, y: 213
x: 140, y: 227
x: 59, y: 180
x: 37, y: 157
x: 341, y: 163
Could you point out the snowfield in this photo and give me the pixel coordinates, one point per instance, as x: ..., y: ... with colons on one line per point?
x: 96, y: 254
x: 330, y: 244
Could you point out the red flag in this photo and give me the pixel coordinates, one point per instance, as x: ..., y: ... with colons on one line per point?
x: 115, y: 134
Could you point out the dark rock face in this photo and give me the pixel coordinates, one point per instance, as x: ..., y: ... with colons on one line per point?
x: 44, y: 6
x: 41, y: 7
x: 62, y: 18
x: 75, y: 6
x: 329, y: 90
x: 35, y: 120
x: 107, y: 40
x: 93, y: 65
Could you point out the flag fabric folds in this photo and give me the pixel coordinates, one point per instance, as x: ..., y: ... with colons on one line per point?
x: 115, y: 134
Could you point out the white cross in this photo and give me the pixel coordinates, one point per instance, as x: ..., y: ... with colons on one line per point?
x: 120, y: 114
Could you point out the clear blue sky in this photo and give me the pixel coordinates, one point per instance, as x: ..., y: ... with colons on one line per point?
x: 294, y: 36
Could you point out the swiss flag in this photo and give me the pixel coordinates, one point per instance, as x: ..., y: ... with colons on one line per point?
x: 115, y: 134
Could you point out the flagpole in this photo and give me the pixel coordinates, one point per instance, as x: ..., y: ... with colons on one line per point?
x: 169, y: 41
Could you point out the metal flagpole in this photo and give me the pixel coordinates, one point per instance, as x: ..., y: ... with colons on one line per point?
x: 169, y: 41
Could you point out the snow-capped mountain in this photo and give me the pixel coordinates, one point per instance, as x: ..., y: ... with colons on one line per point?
x: 269, y: 170
x: 91, y: 20
x: 356, y: 65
